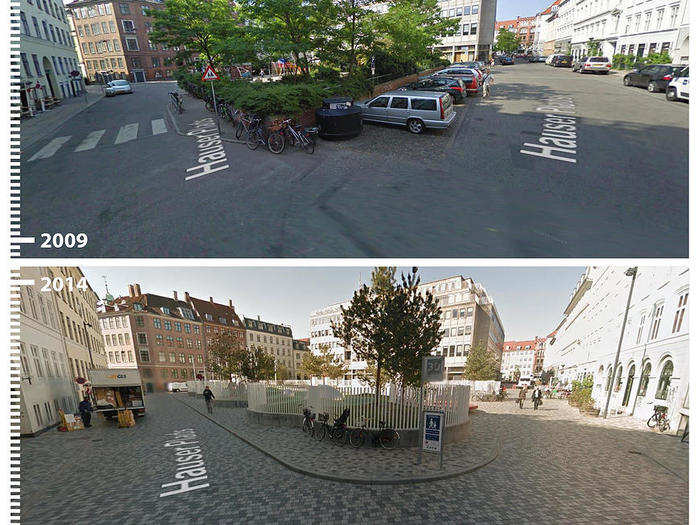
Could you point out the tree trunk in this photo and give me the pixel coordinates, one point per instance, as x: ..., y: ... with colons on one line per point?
x: 376, y: 389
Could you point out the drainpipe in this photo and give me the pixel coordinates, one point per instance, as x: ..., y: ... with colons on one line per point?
x: 641, y: 369
x: 631, y: 272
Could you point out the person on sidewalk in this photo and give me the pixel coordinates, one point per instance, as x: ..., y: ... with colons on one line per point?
x: 537, y: 397
x: 488, y: 82
x: 208, y: 397
x: 85, y: 409
x: 522, y: 395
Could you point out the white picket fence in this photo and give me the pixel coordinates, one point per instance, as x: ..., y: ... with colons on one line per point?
x: 399, y: 409
x: 222, y: 390
x: 485, y: 387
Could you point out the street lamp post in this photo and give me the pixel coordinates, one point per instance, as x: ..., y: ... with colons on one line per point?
x: 631, y: 272
x: 87, y: 337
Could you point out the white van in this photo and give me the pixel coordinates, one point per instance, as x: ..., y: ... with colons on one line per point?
x: 178, y: 387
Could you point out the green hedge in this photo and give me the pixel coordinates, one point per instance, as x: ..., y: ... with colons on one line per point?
x: 277, y: 98
x: 632, y: 61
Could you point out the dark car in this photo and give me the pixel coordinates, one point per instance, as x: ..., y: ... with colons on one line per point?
x: 654, y: 77
x: 562, y: 61
x: 453, y: 86
x: 474, y: 64
x: 467, y: 75
x: 506, y: 61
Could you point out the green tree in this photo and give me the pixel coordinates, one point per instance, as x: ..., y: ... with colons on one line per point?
x: 391, y: 326
x: 516, y: 373
x: 258, y: 365
x: 481, y: 364
x: 350, y: 37
x: 325, y: 364
x: 410, y: 29
x: 225, y: 354
x: 506, y: 41
x: 194, y: 26
x: 592, y: 48
x: 283, y: 372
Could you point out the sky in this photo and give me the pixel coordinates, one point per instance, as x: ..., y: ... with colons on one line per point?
x: 530, y: 301
x: 510, y: 9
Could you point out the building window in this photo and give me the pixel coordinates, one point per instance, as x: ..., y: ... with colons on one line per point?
x: 664, y: 381
x: 644, y: 380
x: 156, y: 322
x: 141, y: 338
x: 170, y: 340
x: 25, y: 64
x: 640, y: 330
x: 618, y: 379
x: 680, y: 312
x: 674, y: 17
x: 161, y: 356
x: 178, y: 327
x: 656, y: 321
x: 608, y: 381
x: 159, y: 339
x: 138, y: 321
x: 167, y: 325
x: 144, y: 356
x: 124, y: 9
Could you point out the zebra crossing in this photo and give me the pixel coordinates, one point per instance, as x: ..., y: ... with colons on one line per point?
x: 126, y: 133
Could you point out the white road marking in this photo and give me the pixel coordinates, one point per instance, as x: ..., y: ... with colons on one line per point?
x: 127, y: 133
x: 91, y: 140
x: 158, y: 126
x: 51, y: 148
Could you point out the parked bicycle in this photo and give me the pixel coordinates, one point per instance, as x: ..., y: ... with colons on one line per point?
x: 321, y: 426
x: 285, y: 133
x: 659, y: 419
x: 336, y: 432
x: 256, y: 134
x: 242, y: 122
x: 384, y: 437
x: 308, y: 424
x: 176, y: 102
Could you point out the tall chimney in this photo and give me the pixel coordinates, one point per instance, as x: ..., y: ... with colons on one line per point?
x: 175, y: 294
x: 131, y: 290
x: 230, y: 303
x: 137, y: 289
x: 211, y: 299
x: 187, y: 296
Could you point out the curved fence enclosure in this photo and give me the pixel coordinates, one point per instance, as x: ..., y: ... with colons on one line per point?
x: 397, y: 408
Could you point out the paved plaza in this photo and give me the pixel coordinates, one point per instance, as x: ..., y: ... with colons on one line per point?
x: 554, y: 466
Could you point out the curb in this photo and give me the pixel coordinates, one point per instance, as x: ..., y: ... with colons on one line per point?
x: 355, y: 481
x: 47, y: 131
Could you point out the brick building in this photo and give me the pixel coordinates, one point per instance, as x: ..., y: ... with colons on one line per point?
x: 113, y: 40
x: 274, y: 339
x: 167, y: 334
x: 524, y: 27
x: 217, y: 319
x: 525, y: 356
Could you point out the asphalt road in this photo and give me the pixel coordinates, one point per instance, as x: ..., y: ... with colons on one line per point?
x: 466, y: 192
x: 551, y: 470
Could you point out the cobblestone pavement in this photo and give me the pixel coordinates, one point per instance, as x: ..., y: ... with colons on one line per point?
x: 324, y: 458
x: 553, y: 469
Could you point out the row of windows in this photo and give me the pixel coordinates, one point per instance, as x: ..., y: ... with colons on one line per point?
x: 656, y: 317
x: 174, y: 373
x: 458, y: 313
x: 60, y: 64
x: 145, y: 357
x: 50, y: 8
x: 117, y: 339
x: 139, y: 322
x: 660, y: 17
x: 642, y: 49
x: 458, y: 11
x: 453, y: 350
x: 93, y: 11
x: 50, y: 413
x: 41, y: 363
x: 278, y: 351
x: 283, y: 342
x: 50, y: 33
x: 123, y: 356
x: 662, y: 386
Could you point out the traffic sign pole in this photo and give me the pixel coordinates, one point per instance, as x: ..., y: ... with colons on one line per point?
x: 216, y: 111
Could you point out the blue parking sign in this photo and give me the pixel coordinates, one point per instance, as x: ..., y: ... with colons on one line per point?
x: 433, y: 424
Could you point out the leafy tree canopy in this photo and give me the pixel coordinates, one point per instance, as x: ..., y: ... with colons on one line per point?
x: 506, y: 41
x: 482, y: 364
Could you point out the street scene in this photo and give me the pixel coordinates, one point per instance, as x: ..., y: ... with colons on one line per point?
x: 178, y: 407
x: 518, y: 159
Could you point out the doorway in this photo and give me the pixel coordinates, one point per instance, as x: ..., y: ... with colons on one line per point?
x: 628, y: 386
x: 50, y: 77
x: 139, y: 75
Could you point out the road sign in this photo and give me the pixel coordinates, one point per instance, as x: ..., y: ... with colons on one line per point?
x: 210, y: 74
x: 433, y: 426
x: 433, y: 368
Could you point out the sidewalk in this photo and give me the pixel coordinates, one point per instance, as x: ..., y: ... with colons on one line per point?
x: 43, y: 124
x: 301, y: 453
x: 195, y: 109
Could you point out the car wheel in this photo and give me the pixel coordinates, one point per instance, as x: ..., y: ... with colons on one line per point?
x: 416, y: 126
x: 652, y: 87
x: 671, y: 94
x: 626, y: 81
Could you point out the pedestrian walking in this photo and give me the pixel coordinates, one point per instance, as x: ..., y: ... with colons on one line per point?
x: 85, y: 409
x: 208, y: 397
x: 537, y: 397
x: 521, y: 396
x: 488, y: 82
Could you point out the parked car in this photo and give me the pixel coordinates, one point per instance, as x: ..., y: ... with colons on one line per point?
x: 417, y: 110
x: 654, y: 77
x: 178, y: 387
x: 679, y: 86
x: 593, y: 65
x: 116, y: 87
x: 474, y: 64
x: 537, y: 58
x: 453, y: 86
x: 469, y: 76
x: 562, y: 61
x: 506, y: 60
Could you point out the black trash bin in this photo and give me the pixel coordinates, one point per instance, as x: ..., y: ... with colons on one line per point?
x: 339, y: 119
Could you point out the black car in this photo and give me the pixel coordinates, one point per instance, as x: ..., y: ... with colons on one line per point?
x: 474, y: 64
x: 506, y: 61
x: 453, y: 86
x: 654, y: 77
x: 562, y: 61
x: 536, y: 58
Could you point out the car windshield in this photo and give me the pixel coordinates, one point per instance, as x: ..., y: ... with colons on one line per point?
x: 121, y: 83
x: 598, y: 59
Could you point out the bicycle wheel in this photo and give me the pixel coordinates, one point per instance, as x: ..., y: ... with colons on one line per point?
x: 664, y: 425
x: 276, y: 142
x: 320, y: 432
x: 306, y: 426
x: 357, y: 437
x: 389, y: 439
x: 240, y: 128
x: 310, y: 146
x: 652, y: 421
x: 253, y: 141
x: 180, y: 107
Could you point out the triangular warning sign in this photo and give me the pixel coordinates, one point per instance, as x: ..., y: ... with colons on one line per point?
x: 210, y: 74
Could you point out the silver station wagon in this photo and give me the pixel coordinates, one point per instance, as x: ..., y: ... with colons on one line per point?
x: 416, y: 110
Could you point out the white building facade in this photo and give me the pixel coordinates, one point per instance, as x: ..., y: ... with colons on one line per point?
x: 45, y: 382
x: 116, y: 330
x: 321, y: 336
x: 653, y: 368
x: 274, y: 339
x: 47, y: 54
x: 474, y: 37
